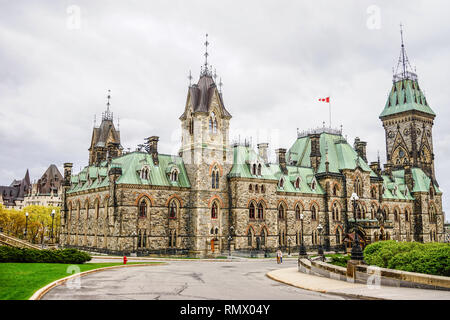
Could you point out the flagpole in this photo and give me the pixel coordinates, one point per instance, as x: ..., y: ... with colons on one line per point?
x: 329, y: 109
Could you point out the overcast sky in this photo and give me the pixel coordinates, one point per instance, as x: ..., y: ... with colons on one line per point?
x: 275, y: 58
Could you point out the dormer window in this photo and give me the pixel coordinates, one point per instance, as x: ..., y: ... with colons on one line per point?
x: 145, y: 173
x: 259, y: 169
x: 254, y: 169
x: 174, y: 175
x: 313, y: 185
x: 394, y: 192
x: 297, y: 183
x: 281, y: 183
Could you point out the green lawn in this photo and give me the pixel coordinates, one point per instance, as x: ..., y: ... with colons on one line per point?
x: 18, y: 281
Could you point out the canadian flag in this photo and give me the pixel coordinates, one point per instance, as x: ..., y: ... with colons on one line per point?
x: 327, y: 99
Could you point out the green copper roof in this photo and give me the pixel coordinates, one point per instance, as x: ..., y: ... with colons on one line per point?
x: 333, y: 147
x: 131, y: 165
x: 406, y: 95
x: 243, y: 158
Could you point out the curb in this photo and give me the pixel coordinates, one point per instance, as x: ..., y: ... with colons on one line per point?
x: 164, y: 259
x: 42, y: 291
x: 347, y: 295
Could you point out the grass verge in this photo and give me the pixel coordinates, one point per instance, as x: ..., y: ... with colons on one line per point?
x: 18, y: 281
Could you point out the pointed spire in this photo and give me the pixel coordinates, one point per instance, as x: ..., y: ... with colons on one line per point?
x: 190, y: 78
x: 206, y: 69
x: 107, y: 115
x: 406, y: 71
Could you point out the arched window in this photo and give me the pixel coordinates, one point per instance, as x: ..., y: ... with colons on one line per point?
x: 173, y: 209
x: 214, y: 209
x: 174, y: 175
x: 281, y: 212
x: 281, y: 183
x: 373, y: 193
x: 260, y: 211
x: 335, y: 190
x: 373, y: 211
x: 250, y: 237
x: 395, y: 215
x: 358, y: 187
x: 263, y: 237
x: 298, y: 211
x: 97, y: 208
x: 431, y: 193
x: 254, y: 169
x: 406, y: 215
x: 215, y: 178
x: 250, y: 188
x: 338, y: 236
x: 335, y: 211
x: 263, y: 189
x: 145, y: 171
x: 210, y: 125
x: 251, y: 211
x: 259, y: 169
x: 215, y: 126
x: 256, y: 188
x: 313, y: 213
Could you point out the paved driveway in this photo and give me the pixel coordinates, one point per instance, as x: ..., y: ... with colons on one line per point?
x: 198, y: 280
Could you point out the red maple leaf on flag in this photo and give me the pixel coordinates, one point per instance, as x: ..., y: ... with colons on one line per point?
x: 327, y: 99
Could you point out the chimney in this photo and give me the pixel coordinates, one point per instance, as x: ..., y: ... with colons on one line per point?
x: 360, y: 148
x: 67, y: 173
x: 152, y: 148
x: 315, y: 155
x: 375, y: 166
x: 262, y: 151
x: 281, y: 159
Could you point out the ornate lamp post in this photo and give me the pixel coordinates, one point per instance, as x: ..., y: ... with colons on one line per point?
x: 26, y: 225
x: 320, y: 249
x: 302, y: 251
x: 53, y: 219
x: 356, y: 253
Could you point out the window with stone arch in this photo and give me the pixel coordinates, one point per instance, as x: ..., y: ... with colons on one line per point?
x: 432, y: 214
x: 87, y: 209
x: 263, y: 189
x: 336, y: 211
x: 407, y: 217
x: 143, y: 208
x: 215, y: 174
x: 281, y: 211
x: 313, y: 212
x: 338, y: 236
x: 254, y: 169
x: 358, y: 187
x: 259, y: 169
x: 97, y: 208
x: 250, y: 188
x: 214, y: 210
x: 373, y: 211
x: 431, y: 193
x: 335, y: 190
x: 251, y: 210
x: 173, y: 209
x: 396, y: 215
x: 260, y: 211
x: 256, y: 188
x: 263, y: 237
x: 250, y: 237
x: 298, y: 211
x: 373, y: 192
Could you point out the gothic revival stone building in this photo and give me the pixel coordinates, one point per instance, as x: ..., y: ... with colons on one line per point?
x: 214, y: 197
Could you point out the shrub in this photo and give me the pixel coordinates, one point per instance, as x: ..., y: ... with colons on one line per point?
x: 70, y: 256
x: 339, y: 259
x: 429, y: 258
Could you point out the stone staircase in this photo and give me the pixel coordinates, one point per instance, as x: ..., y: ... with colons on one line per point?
x: 14, y: 242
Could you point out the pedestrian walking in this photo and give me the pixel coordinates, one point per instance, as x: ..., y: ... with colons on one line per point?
x: 278, y: 256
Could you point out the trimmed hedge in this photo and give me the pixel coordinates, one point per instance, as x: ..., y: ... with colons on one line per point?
x: 71, y: 256
x: 339, y: 259
x: 430, y: 258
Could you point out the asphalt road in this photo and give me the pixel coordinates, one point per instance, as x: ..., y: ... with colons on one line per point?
x: 187, y: 280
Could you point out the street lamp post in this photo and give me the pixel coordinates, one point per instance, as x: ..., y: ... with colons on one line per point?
x: 289, y: 246
x: 26, y: 225
x: 53, y: 219
x: 302, y: 251
x: 320, y: 249
x: 356, y: 253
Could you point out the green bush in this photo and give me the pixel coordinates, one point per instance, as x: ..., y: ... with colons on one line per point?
x: 429, y: 258
x: 339, y: 259
x: 70, y: 256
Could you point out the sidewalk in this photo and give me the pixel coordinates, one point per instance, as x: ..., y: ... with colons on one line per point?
x: 301, y: 280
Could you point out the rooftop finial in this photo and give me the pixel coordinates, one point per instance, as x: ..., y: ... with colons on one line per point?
x: 403, y: 62
x: 190, y: 78
x: 206, y: 52
x: 220, y: 86
x: 107, y: 115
